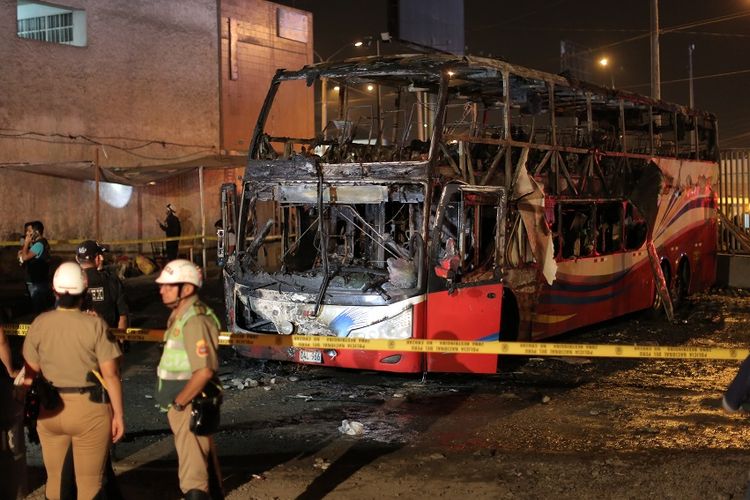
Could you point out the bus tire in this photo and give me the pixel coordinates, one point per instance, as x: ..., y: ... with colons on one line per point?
x: 680, y: 288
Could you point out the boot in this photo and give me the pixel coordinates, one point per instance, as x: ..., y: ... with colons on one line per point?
x: 197, y: 495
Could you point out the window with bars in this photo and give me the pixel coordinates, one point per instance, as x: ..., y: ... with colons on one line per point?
x: 57, y: 28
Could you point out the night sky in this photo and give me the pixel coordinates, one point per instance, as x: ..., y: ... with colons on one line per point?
x: 528, y: 33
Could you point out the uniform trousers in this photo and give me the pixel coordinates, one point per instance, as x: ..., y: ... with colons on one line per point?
x: 193, y: 452
x: 88, y: 427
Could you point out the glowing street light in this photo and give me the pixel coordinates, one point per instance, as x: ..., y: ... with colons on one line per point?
x: 370, y: 88
x: 604, y: 63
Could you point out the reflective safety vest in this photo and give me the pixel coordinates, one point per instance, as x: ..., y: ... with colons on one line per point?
x: 175, y: 364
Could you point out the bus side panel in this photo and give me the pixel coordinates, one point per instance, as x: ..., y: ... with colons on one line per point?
x: 686, y: 225
x: 703, y: 265
x: 697, y: 244
x: 469, y: 313
x: 591, y: 290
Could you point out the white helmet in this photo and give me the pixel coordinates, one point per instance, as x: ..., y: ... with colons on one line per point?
x: 70, y: 278
x: 181, y: 271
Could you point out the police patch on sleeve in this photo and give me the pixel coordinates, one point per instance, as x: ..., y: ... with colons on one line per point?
x: 201, y: 348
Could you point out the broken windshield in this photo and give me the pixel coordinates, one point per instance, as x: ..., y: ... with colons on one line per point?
x: 366, y: 237
x: 357, y: 118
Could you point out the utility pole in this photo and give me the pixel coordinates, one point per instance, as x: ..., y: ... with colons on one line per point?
x: 694, y: 134
x: 691, y: 48
x: 378, y: 102
x: 323, y: 105
x: 655, y: 72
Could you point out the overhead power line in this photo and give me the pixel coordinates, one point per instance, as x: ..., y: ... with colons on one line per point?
x: 623, y: 30
x: 682, y: 27
x: 703, y: 77
x: 56, y: 138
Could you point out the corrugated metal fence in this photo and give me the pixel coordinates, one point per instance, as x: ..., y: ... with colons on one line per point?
x: 734, y: 200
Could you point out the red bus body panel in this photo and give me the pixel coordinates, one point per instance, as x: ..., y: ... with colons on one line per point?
x: 469, y: 313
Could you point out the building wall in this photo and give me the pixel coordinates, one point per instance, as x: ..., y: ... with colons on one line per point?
x: 145, y: 82
x: 68, y: 208
x: 251, y: 52
x: 151, y: 87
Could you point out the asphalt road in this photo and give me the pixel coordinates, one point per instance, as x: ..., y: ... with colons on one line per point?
x: 563, y: 428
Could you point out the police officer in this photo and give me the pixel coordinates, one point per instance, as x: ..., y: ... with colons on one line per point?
x: 105, y: 294
x: 12, y: 445
x: 105, y: 297
x: 188, y: 364
x: 171, y: 226
x: 63, y: 346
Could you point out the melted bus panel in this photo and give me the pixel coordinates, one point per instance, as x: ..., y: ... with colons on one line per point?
x: 465, y: 198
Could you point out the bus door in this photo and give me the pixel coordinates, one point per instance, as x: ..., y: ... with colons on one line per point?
x: 464, y: 288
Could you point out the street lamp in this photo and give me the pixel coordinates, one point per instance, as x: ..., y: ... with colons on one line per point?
x: 691, y: 48
x: 604, y: 63
x: 694, y: 134
x: 381, y: 37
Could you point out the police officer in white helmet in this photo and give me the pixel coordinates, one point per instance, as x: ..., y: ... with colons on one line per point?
x: 63, y: 346
x: 187, y: 378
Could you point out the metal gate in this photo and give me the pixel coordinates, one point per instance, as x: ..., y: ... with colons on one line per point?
x: 734, y: 201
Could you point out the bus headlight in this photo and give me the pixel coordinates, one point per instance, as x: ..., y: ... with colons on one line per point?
x: 285, y: 327
x: 397, y: 327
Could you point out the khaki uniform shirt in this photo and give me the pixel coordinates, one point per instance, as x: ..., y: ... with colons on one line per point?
x: 201, y: 337
x: 67, y: 344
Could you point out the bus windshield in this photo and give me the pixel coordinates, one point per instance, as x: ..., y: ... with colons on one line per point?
x: 363, y: 237
x: 363, y: 118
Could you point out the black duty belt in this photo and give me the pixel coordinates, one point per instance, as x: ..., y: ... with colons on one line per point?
x: 75, y: 390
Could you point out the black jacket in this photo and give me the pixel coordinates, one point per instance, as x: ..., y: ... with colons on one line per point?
x: 37, y: 269
x: 105, y: 296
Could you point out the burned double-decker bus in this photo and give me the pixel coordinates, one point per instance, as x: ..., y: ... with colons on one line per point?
x: 466, y: 199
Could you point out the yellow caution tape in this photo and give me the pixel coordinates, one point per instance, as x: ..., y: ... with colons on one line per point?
x: 117, y: 242
x: 534, y: 349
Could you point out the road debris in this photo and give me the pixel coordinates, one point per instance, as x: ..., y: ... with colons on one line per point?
x: 351, y: 428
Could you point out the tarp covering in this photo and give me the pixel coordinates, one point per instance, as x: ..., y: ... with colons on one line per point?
x: 129, y: 176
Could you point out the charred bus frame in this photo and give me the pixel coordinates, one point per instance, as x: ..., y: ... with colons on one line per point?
x: 465, y: 178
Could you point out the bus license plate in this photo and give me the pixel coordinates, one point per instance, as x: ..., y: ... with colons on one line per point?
x: 311, y: 356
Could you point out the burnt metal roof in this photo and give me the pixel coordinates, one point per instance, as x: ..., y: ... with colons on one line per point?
x: 474, y: 77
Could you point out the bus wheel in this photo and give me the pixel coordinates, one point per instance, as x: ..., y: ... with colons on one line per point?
x: 680, y: 285
x: 510, y: 323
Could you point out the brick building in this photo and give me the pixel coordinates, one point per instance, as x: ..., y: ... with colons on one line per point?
x: 144, y: 91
